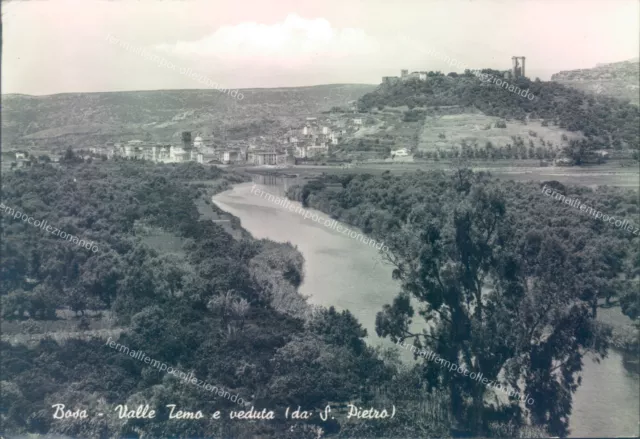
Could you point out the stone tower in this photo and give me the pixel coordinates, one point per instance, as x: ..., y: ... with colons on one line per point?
x: 186, y: 140
x: 517, y: 66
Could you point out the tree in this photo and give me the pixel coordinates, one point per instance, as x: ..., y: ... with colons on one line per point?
x: 40, y: 303
x: 577, y: 150
x: 76, y: 299
x: 84, y: 324
x: 472, y: 280
x: 630, y: 303
x: 339, y: 328
x: 70, y: 157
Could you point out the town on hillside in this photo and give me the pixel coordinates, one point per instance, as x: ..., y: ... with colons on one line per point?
x: 313, y: 138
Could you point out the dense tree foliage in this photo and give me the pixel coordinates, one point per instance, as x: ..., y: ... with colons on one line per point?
x: 504, y: 279
x: 225, y: 309
x: 472, y: 255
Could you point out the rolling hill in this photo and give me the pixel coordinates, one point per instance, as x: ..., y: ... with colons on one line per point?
x: 599, y: 121
x: 618, y: 80
x: 87, y: 119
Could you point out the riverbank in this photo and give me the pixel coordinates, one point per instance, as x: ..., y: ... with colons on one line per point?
x: 609, y: 174
x: 321, y: 285
x: 337, y: 273
x: 624, y: 333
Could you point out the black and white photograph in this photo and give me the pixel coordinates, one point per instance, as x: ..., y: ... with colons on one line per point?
x: 305, y: 219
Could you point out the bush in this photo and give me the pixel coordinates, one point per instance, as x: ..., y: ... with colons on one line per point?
x: 413, y: 115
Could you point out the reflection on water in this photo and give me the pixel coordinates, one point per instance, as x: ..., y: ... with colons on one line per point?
x: 277, y: 185
x: 363, y: 284
x: 343, y: 272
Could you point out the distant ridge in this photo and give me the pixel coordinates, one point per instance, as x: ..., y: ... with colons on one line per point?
x: 618, y: 80
x: 89, y: 119
x: 184, y: 90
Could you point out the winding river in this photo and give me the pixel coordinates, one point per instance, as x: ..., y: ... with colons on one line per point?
x: 348, y: 274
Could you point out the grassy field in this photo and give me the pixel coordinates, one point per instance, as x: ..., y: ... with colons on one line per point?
x: 16, y: 339
x: 480, y: 129
x: 101, y: 325
x: 444, y: 128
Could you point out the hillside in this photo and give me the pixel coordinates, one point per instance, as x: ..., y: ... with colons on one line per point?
x: 85, y: 119
x: 595, y: 122
x: 618, y: 80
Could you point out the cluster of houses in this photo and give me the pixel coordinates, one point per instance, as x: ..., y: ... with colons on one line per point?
x: 311, y: 139
x: 203, y: 153
x: 156, y: 152
x: 19, y: 160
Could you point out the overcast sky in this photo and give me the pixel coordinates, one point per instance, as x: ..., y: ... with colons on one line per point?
x: 87, y: 45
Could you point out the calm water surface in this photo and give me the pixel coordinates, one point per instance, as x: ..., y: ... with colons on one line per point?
x: 348, y: 274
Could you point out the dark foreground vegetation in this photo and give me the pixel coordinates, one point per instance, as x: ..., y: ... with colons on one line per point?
x: 228, y: 309
x: 508, y: 280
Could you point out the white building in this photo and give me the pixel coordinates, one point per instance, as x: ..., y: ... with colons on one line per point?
x: 198, y: 142
x: 300, y: 152
x: 402, y: 152
x: 162, y: 153
x: 178, y: 154
x: 602, y: 153
x: 232, y: 156
x: 357, y: 121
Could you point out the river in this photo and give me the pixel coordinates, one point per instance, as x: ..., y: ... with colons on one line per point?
x: 346, y: 273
